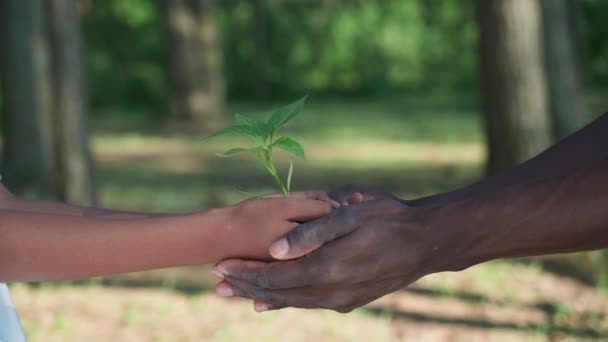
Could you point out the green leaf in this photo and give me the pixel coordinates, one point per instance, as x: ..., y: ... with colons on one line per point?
x: 258, y: 126
x: 234, y: 151
x: 236, y: 129
x: 282, y: 115
x: 245, y: 120
x: 289, y: 174
x: 291, y: 146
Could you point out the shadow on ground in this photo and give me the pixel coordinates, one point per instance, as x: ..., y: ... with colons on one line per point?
x: 550, y: 328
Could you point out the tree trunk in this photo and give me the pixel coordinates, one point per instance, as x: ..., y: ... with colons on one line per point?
x: 195, y: 63
x: 513, y: 81
x: 74, y: 155
x: 27, y: 128
x: 565, y: 88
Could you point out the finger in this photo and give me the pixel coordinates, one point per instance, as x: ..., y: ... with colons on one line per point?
x: 309, y: 194
x: 260, y: 306
x: 224, y: 289
x: 355, y: 198
x: 321, y: 196
x: 273, y: 275
x: 339, y: 298
x: 304, y: 210
x: 312, y: 194
x: 308, y: 237
x: 343, y: 193
x: 264, y: 299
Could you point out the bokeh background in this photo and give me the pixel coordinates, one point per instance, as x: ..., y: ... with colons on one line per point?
x: 107, y: 102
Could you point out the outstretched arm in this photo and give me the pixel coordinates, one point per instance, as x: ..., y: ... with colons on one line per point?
x: 10, y: 202
x: 37, y: 246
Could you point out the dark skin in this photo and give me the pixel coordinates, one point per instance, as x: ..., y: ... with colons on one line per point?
x: 554, y: 203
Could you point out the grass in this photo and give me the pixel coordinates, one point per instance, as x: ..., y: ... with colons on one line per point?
x: 409, y: 146
x: 406, y: 146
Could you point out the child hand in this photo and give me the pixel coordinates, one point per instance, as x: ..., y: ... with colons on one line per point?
x: 308, y: 194
x: 253, y: 225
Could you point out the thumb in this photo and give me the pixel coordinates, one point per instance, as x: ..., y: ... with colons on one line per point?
x: 308, y: 237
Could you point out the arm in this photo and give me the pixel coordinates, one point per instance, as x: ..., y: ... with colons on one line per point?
x: 390, y: 245
x: 13, y: 203
x: 38, y: 246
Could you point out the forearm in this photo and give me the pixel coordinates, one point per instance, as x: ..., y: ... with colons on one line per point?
x: 39, y: 247
x: 578, y: 151
x: 555, y: 214
x: 13, y: 203
x: 56, y: 208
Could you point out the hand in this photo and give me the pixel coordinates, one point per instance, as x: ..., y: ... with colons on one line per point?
x: 388, y: 246
x: 309, y: 194
x: 253, y: 225
x: 354, y: 194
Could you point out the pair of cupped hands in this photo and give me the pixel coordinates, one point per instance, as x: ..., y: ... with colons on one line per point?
x: 368, y: 245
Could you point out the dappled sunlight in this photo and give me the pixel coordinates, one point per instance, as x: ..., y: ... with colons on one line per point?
x: 498, y: 301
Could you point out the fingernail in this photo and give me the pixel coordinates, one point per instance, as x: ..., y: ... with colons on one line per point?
x: 261, y: 307
x: 279, y: 249
x: 224, y: 291
x: 335, y: 204
x: 219, y: 272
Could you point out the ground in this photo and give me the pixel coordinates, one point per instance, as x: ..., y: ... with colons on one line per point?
x: 499, y: 301
x: 410, y: 146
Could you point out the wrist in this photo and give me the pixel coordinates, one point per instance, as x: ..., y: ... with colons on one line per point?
x: 458, y: 235
x: 210, y: 234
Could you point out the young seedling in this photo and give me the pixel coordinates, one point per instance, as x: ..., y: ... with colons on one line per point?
x: 264, y: 133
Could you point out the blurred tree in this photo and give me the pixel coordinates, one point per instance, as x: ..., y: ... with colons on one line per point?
x: 27, y: 129
x: 195, y: 63
x: 261, y: 59
x: 513, y: 81
x: 596, y: 40
x: 565, y: 88
x: 70, y: 102
x: 126, y: 58
x: 321, y: 47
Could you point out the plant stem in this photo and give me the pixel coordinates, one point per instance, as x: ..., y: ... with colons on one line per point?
x: 273, y: 171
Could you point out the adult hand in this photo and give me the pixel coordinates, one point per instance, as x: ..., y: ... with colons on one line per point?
x: 375, y: 248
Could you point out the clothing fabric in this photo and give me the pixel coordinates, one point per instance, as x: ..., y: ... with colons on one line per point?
x: 10, y: 326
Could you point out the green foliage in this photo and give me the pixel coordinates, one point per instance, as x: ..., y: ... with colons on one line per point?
x: 126, y: 64
x: 263, y: 133
x: 291, y: 146
x: 330, y: 47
